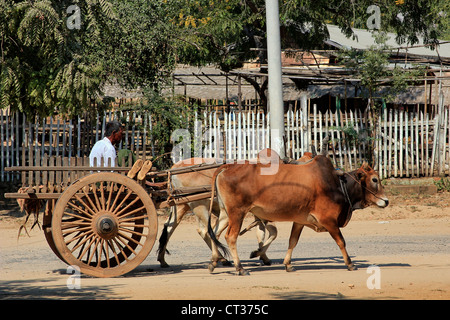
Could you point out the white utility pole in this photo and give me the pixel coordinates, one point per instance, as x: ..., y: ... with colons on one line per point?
x: 276, y: 106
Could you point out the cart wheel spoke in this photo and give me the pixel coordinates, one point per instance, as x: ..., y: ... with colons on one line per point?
x: 102, y: 196
x: 90, y: 205
x: 118, y: 195
x: 124, y: 202
x: 133, y: 232
x: 111, y: 247
x: 134, y: 218
x: 110, y: 188
x: 82, y: 203
x: 84, y: 250
x: 81, y: 243
x: 130, y: 213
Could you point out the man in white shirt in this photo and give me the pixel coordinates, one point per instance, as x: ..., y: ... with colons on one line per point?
x: 105, y: 148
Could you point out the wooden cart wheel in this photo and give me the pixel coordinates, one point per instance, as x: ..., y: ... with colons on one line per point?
x: 105, y: 224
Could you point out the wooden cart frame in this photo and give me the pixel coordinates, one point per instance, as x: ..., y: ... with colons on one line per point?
x: 98, y: 218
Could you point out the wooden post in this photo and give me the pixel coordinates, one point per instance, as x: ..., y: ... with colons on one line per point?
x: 395, y: 142
x: 239, y: 94
x: 400, y: 128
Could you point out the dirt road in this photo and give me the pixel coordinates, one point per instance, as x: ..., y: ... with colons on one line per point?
x: 402, y: 252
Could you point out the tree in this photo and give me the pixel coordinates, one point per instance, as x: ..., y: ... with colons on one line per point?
x: 140, y: 50
x: 225, y: 33
x: 371, y: 67
x: 212, y: 32
x: 49, y: 64
x: 44, y: 65
x: 167, y: 115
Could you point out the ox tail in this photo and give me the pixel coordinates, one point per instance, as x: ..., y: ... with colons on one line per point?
x: 164, y: 238
x: 224, y: 249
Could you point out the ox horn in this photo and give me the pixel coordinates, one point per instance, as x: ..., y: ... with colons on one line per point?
x: 365, y: 166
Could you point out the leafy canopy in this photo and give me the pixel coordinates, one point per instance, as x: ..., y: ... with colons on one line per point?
x: 46, y: 67
x: 224, y: 32
x: 372, y: 67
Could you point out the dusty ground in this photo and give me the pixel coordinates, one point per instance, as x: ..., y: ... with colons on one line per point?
x: 408, y: 241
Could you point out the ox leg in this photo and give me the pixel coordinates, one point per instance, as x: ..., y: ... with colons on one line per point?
x: 202, y: 213
x: 234, y: 227
x: 336, y: 234
x: 264, y: 245
x: 215, y: 257
x: 170, y: 225
x: 221, y: 225
x: 293, y: 240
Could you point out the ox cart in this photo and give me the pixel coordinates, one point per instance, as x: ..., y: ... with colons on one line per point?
x: 100, y: 218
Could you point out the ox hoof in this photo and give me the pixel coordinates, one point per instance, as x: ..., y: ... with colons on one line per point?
x: 352, y: 267
x: 211, y: 267
x: 243, y: 272
x: 289, y: 268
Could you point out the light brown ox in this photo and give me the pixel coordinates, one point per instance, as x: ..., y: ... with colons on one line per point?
x: 308, y: 194
x: 201, y: 210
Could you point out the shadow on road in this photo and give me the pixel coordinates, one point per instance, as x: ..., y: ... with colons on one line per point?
x: 255, y: 266
x: 50, y: 290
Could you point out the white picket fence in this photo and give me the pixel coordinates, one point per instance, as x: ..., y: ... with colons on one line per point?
x: 59, y: 137
x: 413, y: 145
x: 407, y: 144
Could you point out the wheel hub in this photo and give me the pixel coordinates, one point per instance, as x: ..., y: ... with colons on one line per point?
x: 106, y: 226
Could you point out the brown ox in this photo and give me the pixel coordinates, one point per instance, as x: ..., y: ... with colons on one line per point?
x: 310, y: 194
x: 201, y: 210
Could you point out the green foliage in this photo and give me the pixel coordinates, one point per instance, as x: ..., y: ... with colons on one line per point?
x: 408, y: 19
x: 443, y: 184
x: 45, y: 67
x: 226, y: 33
x: 48, y: 68
x: 351, y: 135
x: 168, y: 115
x: 372, y: 67
x: 212, y: 32
x: 140, y: 50
x: 425, y: 18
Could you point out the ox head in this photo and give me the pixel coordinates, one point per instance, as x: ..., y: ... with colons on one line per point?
x: 372, y: 188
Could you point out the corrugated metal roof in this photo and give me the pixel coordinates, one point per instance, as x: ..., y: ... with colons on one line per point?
x: 363, y: 39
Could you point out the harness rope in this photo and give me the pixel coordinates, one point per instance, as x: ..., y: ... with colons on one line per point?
x: 345, y: 191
